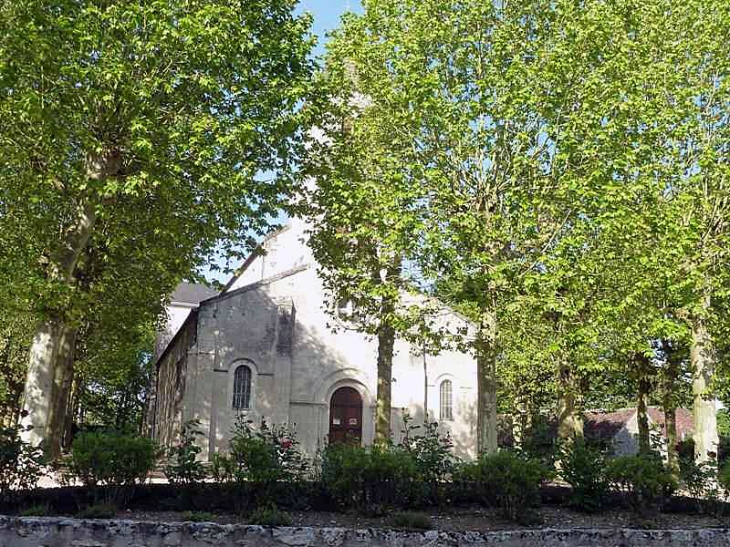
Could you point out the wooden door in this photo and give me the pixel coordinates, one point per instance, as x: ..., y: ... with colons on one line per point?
x: 346, y: 416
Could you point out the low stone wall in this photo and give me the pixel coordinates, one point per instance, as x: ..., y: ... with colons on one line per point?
x: 63, y: 532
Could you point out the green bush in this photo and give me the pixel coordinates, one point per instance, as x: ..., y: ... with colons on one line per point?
x: 584, y: 469
x: 98, y: 511
x: 432, y: 453
x: 265, y: 454
x: 644, y: 479
x: 702, y: 482
x: 371, y: 479
x: 21, y: 465
x: 270, y: 516
x: 723, y: 479
x: 221, y: 468
x: 111, y: 459
x: 508, y: 480
x: 411, y: 520
x: 183, y: 466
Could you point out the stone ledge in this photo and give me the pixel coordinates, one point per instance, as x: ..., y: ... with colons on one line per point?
x: 68, y: 532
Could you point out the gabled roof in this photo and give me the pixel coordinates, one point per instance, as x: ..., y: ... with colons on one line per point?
x: 192, y: 293
x: 257, y: 252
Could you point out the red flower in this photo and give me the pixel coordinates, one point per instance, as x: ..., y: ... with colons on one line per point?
x: 286, y: 444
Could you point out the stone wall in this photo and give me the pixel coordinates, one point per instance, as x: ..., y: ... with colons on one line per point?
x: 60, y: 532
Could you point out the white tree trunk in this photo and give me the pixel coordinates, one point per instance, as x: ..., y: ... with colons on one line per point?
x: 487, y: 386
x: 703, y: 359
x: 38, y: 393
x: 50, y: 347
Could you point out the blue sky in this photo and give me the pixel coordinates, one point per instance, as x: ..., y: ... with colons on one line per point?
x: 327, y: 15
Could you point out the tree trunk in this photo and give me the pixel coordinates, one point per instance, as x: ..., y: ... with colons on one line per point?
x: 570, y: 411
x: 38, y: 393
x: 487, y: 385
x: 386, y: 341
x: 669, y: 405
x: 641, y: 362
x: 703, y: 360
x: 62, y: 381
x: 48, y: 351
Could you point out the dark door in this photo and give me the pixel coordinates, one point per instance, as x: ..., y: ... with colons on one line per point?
x: 346, y: 416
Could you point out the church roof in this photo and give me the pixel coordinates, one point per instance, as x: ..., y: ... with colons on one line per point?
x: 192, y: 293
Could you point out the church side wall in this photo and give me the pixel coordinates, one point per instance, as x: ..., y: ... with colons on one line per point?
x: 171, y: 382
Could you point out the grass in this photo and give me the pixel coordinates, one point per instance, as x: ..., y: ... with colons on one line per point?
x: 270, y: 516
x: 411, y: 520
x: 98, y: 511
x: 198, y: 516
x: 36, y: 511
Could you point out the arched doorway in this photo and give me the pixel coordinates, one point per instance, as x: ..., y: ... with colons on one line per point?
x: 346, y: 416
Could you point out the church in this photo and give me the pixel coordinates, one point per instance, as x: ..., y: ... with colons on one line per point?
x: 264, y: 347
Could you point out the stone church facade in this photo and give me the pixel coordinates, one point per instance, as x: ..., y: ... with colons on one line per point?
x: 264, y: 347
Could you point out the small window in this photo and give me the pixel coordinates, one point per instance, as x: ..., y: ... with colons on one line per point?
x: 242, y: 388
x: 446, y: 401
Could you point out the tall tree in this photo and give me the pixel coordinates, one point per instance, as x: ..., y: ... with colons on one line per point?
x: 114, y: 111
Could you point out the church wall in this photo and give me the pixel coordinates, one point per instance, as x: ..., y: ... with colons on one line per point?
x: 242, y: 328
x: 172, y: 381
x: 280, y: 328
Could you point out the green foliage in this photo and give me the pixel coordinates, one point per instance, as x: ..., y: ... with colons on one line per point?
x: 372, y: 479
x: 222, y: 468
x: 584, y: 469
x: 411, y: 520
x: 270, y: 516
x: 265, y: 454
x: 111, y: 459
x: 15, y: 334
x: 506, y: 479
x: 183, y: 466
x: 197, y: 516
x: 21, y: 465
x: 432, y: 452
x: 702, y: 482
x: 723, y: 478
x: 644, y: 479
x: 98, y: 511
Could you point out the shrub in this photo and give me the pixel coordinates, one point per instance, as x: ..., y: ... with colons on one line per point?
x: 584, y: 469
x: 432, y: 453
x: 371, y: 479
x: 21, y: 465
x: 183, y: 466
x: 267, y: 454
x: 507, y: 480
x: 411, y: 520
x: 112, y: 459
x: 98, y: 511
x: 701, y: 481
x: 270, y: 516
x: 723, y: 479
x: 643, y: 478
x: 221, y: 468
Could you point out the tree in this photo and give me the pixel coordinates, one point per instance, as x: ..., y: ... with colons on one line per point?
x: 360, y: 209
x: 112, y: 113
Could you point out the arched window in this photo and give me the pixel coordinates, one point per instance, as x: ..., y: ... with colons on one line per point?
x: 446, y: 401
x: 242, y: 388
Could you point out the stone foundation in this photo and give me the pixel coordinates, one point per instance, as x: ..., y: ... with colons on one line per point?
x: 66, y: 532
